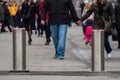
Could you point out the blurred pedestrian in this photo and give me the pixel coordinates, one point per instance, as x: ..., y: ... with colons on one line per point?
x: 41, y: 28
x: 82, y: 5
x: 88, y: 31
x: 1, y: 15
x: 85, y: 6
x: 46, y: 27
x: 103, y: 10
x: 28, y: 15
x: 13, y: 8
x: 117, y: 18
x: 7, y: 16
x: 59, y: 19
x: 19, y: 20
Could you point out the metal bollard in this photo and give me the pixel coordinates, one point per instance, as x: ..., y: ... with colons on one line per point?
x: 97, y: 50
x: 19, y: 49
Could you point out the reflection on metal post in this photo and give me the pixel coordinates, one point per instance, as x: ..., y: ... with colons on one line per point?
x: 98, y: 50
x: 19, y: 50
x: 23, y: 50
x: 14, y: 49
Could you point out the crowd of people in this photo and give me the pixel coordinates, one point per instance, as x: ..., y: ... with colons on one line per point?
x: 53, y: 17
x: 25, y: 15
x: 103, y: 10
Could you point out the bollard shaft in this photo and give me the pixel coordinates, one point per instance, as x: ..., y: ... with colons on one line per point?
x: 19, y: 49
x: 98, y: 50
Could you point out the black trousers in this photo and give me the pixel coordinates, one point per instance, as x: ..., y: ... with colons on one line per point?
x: 47, y: 31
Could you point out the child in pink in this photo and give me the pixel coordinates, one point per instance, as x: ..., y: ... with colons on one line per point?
x: 88, y: 34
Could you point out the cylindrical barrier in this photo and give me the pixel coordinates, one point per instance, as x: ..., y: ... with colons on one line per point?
x: 97, y: 50
x: 19, y: 49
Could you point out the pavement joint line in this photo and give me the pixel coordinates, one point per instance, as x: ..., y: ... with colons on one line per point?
x: 63, y: 73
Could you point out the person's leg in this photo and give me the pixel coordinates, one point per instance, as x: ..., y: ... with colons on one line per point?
x: 107, y: 44
x: 14, y: 21
x: 29, y: 36
x: 41, y: 30
x: 8, y: 25
x: 83, y: 28
x: 47, y: 33
x: 62, y: 32
x: 29, y: 31
x: 54, y: 35
x: 3, y: 27
x: 9, y: 28
x: 38, y: 27
x: 119, y: 38
x: 86, y: 38
x: 119, y: 42
x: 0, y: 26
x: 36, y: 24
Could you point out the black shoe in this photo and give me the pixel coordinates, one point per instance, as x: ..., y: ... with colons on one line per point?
x: 4, y: 31
x: 86, y: 43
x: 118, y: 47
x: 38, y: 34
x: 10, y: 31
x: 41, y: 35
x: 48, y: 42
x: 29, y: 41
x: 35, y: 32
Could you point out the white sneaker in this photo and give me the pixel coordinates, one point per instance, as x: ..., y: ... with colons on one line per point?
x: 109, y: 55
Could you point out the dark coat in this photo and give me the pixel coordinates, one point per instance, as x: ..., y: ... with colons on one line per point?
x: 107, y: 14
x: 59, y: 11
x: 117, y: 18
x: 19, y: 22
x: 30, y: 22
x: 6, y: 15
x: 117, y: 15
x: 2, y: 11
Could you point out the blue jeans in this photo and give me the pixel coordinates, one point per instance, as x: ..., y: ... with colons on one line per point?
x: 58, y: 33
x: 107, y: 44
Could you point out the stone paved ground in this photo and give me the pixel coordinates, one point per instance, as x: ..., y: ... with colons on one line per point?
x: 40, y: 58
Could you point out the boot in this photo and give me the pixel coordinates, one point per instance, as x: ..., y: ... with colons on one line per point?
x: 29, y: 41
x: 48, y: 41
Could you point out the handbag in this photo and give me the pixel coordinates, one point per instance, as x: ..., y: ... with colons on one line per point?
x: 114, y: 34
x: 108, y: 25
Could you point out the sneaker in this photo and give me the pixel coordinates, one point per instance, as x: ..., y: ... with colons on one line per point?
x: 61, y: 57
x: 109, y: 55
x: 56, y: 56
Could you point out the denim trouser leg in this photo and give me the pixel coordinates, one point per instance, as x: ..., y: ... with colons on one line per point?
x: 54, y: 35
x: 107, y: 44
x: 58, y: 33
x: 62, y: 39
